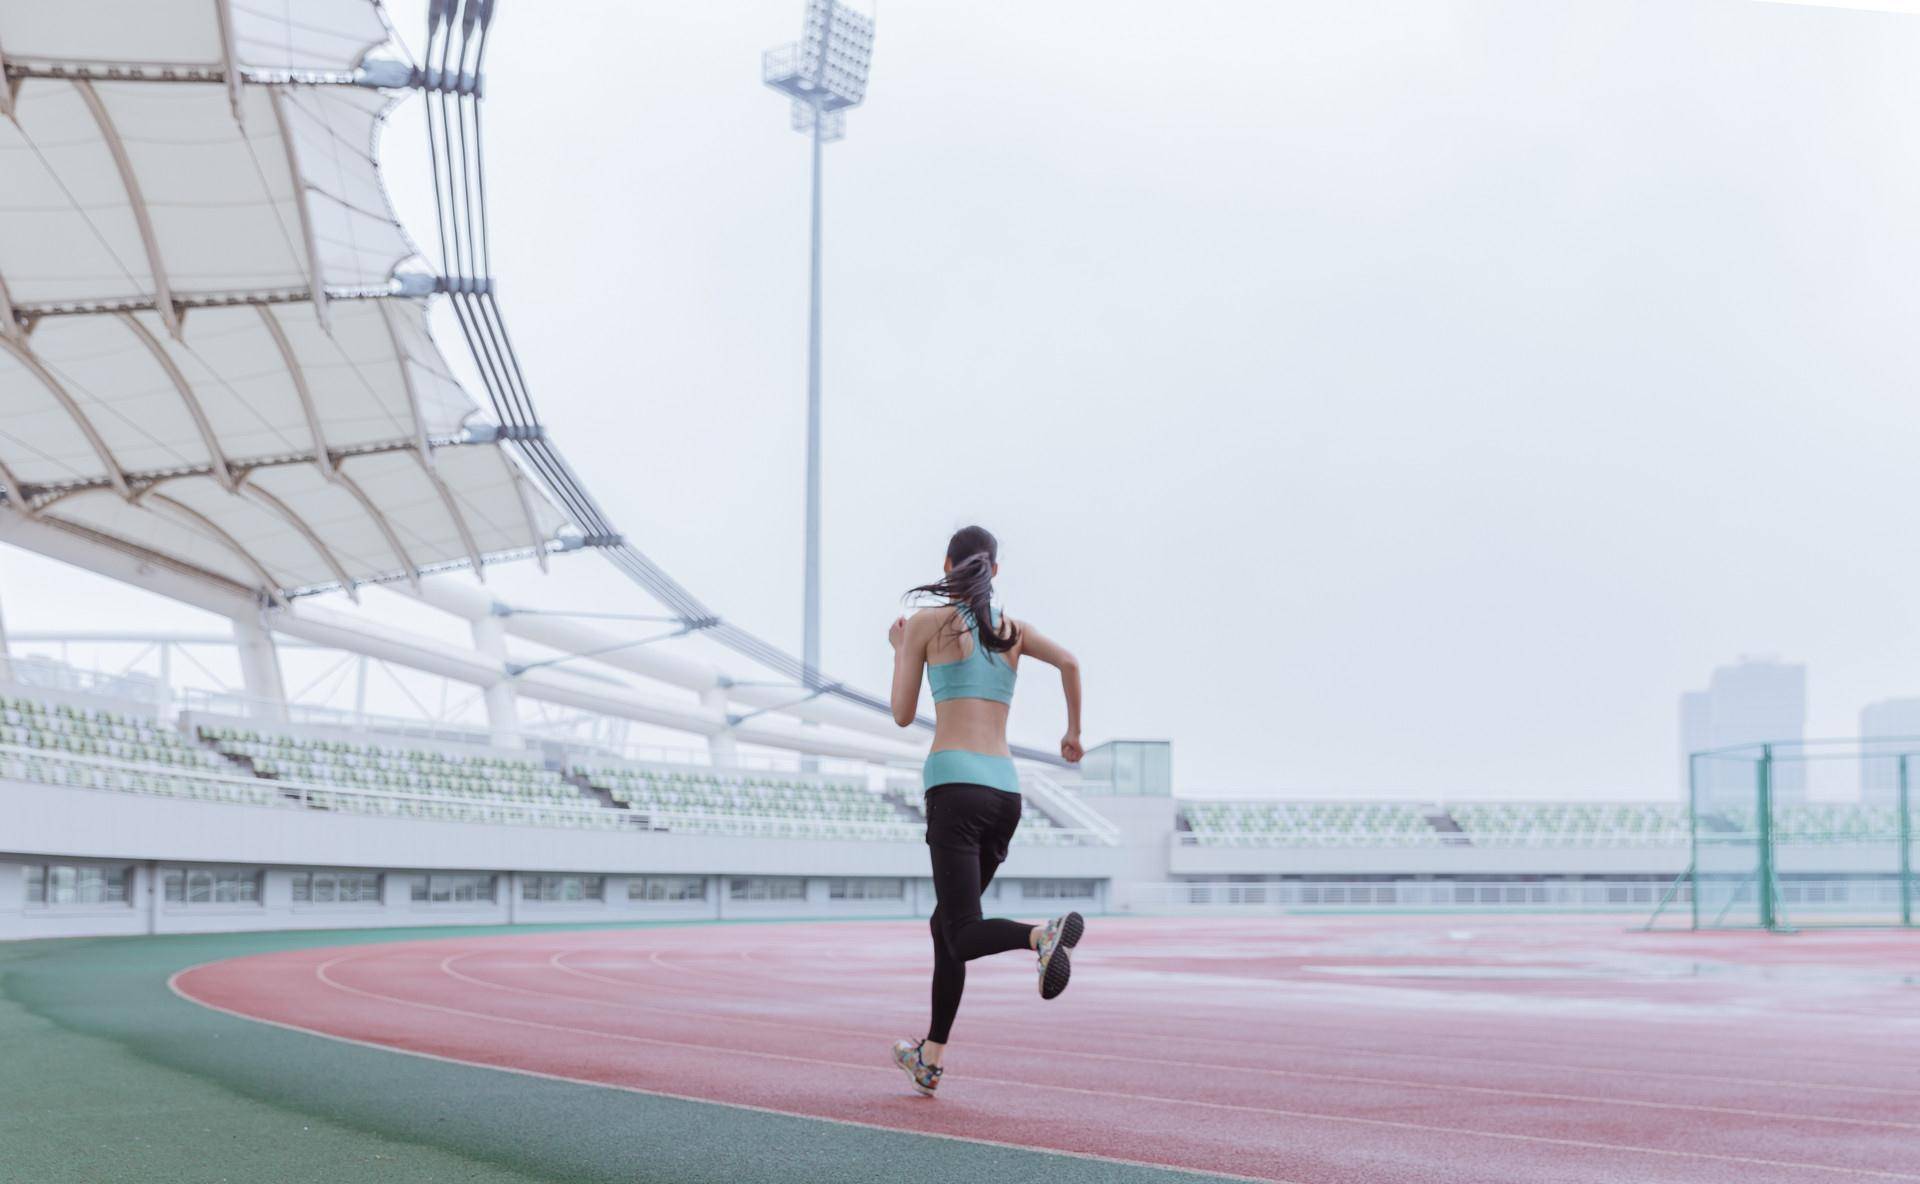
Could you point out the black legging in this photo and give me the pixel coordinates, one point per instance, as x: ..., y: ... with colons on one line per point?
x: 957, y: 815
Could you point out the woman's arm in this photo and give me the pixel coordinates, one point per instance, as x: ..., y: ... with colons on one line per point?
x: 1034, y: 645
x: 909, y: 641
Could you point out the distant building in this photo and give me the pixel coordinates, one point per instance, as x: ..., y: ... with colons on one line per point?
x: 1880, y: 776
x: 1757, y: 700
x: 1696, y: 729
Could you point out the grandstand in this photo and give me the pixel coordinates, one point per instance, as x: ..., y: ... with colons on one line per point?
x: 718, y: 837
x: 1133, y: 846
x: 1398, y: 824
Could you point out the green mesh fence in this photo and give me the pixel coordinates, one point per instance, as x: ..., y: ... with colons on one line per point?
x: 1803, y: 833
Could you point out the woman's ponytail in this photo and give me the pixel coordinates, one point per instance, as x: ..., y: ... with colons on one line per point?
x: 969, y: 584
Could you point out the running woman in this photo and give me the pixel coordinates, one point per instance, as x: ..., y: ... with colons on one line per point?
x: 970, y: 654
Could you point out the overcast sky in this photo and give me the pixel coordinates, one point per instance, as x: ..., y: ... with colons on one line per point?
x: 1381, y: 398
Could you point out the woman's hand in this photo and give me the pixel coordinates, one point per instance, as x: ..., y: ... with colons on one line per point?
x: 896, y: 631
x: 1070, y: 747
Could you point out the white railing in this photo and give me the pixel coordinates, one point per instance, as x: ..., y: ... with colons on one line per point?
x: 634, y: 752
x: 762, y: 825
x: 19, y: 762
x: 31, y: 672
x: 263, y: 716
x: 1066, y: 806
x: 1412, y: 895
x: 16, y: 761
x: 1479, y: 841
x: 1317, y: 840
x: 767, y: 826
x: 592, y: 763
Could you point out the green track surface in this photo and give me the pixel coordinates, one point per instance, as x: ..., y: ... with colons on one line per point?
x: 107, y: 1076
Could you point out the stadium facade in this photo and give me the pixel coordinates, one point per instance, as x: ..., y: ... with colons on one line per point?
x: 121, y: 821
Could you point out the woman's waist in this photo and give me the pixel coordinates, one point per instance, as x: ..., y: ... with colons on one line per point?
x: 974, y: 732
x: 967, y: 769
x: 968, y: 754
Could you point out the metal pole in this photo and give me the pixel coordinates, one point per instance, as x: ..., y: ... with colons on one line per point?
x: 810, y: 652
x: 1765, y: 837
x: 1906, y: 846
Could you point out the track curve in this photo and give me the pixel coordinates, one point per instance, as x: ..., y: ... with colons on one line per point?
x: 1304, y: 1051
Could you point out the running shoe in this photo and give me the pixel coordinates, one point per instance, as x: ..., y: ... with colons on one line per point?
x: 1056, y: 938
x: 925, y: 1077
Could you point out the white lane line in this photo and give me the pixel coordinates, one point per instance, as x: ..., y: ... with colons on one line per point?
x: 1667, y: 1074
x: 173, y: 985
x: 320, y: 972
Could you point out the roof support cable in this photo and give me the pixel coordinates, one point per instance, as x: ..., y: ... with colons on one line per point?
x: 463, y: 264
x: 461, y: 106
x: 516, y: 669
x: 439, y: 14
x: 508, y: 610
x: 479, y: 159
x: 734, y: 721
x: 551, y: 461
x: 569, y: 494
x: 479, y: 17
x: 555, y: 472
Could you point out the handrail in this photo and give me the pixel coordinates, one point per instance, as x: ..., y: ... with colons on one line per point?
x: 590, y: 764
x: 304, y: 794
x: 902, y: 830
x: 291, y: 791
x: 219, y: 705
x: 1055, y: 796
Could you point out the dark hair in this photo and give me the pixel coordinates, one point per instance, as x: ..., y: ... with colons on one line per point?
x: 972, y: 552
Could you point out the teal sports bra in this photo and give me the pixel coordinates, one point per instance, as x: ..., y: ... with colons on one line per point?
x: 982, y: 674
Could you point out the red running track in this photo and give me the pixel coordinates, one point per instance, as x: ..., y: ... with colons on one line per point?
x: 1369, y: 1050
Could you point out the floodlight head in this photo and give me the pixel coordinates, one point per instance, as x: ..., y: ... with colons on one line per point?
x: 824, y: 72
x: 833, y: 124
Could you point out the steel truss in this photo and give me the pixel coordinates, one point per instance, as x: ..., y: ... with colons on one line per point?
x: 457, y: 33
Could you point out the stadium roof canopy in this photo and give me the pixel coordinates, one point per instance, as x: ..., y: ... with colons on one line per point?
x: 213, y: 336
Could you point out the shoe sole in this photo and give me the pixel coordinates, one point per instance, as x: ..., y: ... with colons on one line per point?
x: 1070, y: 932
x: 1059, y: 970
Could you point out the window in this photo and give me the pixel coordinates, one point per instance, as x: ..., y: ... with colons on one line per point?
x: 658, y: 888
x: 62, y: 884
x: 756, y: 888
x: 336, y: 888
x: 1056, y: 889
x: 458, y: 888
x: 867, y: 889
x: 563, y: 888
x: 202, y: 885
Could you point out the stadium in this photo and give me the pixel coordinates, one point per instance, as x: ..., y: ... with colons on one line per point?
x: 469, y: 844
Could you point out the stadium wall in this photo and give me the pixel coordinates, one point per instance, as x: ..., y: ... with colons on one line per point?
x: 45, y: 825
x: 1202, y: 862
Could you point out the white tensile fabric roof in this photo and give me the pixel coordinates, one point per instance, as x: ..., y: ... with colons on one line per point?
x: 207, y: 351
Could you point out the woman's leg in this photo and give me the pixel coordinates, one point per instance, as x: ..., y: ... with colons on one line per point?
x: 949, y: 981
x: 961, y: 934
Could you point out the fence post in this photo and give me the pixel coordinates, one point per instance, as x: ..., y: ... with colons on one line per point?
x: 1765, y: 837
x: 1906, y: 846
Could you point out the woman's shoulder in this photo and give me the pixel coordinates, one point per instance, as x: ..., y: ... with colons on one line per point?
x: 932, y: 616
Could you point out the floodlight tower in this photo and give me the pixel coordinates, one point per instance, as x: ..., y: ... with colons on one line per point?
x: 824, y: 73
